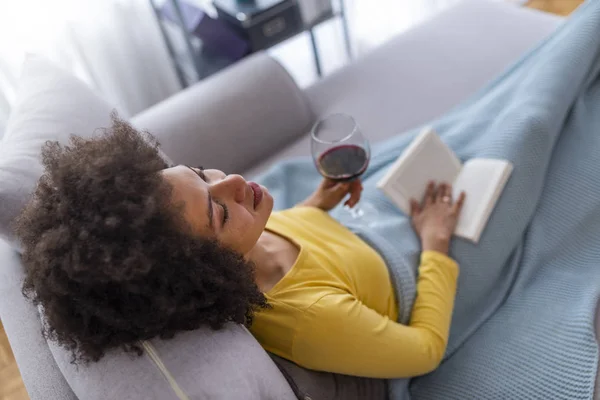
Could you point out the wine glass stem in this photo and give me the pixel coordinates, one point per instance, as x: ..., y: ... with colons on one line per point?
x: 356, y: 211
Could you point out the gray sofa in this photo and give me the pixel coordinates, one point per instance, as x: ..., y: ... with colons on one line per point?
x: 244, y: 120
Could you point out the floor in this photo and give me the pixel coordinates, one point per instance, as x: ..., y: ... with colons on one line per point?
x: 560, y: 7
x: 11, y: 385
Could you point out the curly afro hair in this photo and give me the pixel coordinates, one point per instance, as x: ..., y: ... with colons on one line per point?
x: 109, y: 258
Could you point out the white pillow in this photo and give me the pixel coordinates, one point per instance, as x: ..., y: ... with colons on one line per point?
x: 52, y: 105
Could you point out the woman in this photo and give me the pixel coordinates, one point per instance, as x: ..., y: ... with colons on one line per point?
x: 118, y: 248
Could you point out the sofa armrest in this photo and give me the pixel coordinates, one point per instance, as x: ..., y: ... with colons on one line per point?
x: 41, y: 375
x: 232, y: 120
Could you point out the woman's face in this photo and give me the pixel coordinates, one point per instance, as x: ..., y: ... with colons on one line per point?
x: 224, y: 207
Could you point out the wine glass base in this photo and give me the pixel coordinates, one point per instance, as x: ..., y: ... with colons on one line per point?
x: 364, y: 214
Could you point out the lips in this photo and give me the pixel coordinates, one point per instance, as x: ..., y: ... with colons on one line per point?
x: 258, y: 193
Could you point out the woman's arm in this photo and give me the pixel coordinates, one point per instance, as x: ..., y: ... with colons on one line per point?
x: 340, y: 334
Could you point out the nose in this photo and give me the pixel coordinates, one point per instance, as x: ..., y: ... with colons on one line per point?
x: 232, y: 187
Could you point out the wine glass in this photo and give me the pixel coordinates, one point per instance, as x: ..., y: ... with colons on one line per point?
x: 341, y: 153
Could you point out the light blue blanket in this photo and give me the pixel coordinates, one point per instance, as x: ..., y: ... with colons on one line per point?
x: 523, y: 319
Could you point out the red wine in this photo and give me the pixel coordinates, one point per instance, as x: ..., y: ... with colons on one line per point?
x: 343, y: 163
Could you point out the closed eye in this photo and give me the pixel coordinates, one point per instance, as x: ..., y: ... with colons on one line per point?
x: 225, y: 212
x: 200, y: 172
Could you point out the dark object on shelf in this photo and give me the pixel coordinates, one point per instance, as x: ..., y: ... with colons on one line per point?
x: 194, y: 58
x: 263, y: 23
x: 218, y: 38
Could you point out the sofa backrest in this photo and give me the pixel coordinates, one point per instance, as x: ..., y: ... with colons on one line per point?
x: 232, y: 120
x: 426, y: 71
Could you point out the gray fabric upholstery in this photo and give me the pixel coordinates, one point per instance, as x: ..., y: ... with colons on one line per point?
x: 51, y: 105
x: 426, y: 71
x: 228, y: 364
x: 232, y: 120
x: 41, y: 376
x: 43, y: 111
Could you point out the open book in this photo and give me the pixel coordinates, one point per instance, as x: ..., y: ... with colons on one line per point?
x: 426, y: 159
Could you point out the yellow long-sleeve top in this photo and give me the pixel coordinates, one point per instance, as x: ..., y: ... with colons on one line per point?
x: 335, y: 310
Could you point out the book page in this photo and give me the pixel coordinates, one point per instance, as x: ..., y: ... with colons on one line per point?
x: 483, y: 181
x: 426, y: 159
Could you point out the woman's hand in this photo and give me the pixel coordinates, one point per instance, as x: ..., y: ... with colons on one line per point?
x: 330, y: 193
x: 436, y: 217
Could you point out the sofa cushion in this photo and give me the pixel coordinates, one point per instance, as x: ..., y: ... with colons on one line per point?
x: 52, y: 105
x: 49, y: 106
x: 232, y: 120
x: 204, y: 364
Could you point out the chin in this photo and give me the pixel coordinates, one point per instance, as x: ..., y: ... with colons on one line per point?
x: 269, y: 204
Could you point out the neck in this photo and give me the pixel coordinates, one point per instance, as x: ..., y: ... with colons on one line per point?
x: 271, y: 261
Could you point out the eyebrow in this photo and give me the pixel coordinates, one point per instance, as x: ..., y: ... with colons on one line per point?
x: 209, y: 210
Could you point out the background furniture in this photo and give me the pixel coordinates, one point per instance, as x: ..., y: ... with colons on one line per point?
x: 262, y: 119
x: 560, y: 7
x: 193, y: 63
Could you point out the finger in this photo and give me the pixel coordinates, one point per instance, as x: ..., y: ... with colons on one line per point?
x: 415, y: 209
x: 448, y: 192
x: 341, y: 185
x: 355, y: 192
x: 440, y: 192
x: 351, y: 202
x: 446, y: 197
x: 340, y: 189
x: 457, y: 208
x: 429, y: 194
x: 358, y: 183
x: 328, y: 183
x: 356, y: 189
x: 356, y: 186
